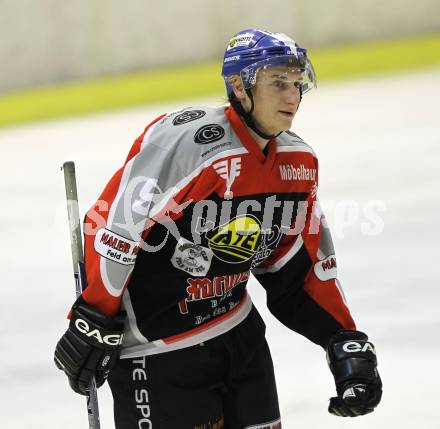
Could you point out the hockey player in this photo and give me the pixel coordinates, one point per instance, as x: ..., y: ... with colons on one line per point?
x: 206, y: 197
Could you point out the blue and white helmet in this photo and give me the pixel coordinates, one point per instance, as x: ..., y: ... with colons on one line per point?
x: 251, y: 50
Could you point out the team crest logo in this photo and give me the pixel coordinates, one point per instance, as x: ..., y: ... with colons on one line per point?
x: 236, y: 241
x: 228, y: 169
x: 191, y: 258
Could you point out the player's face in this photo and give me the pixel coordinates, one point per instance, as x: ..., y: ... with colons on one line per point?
x: 276, y: 98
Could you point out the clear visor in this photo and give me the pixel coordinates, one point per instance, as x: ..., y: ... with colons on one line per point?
x: 281, y: 73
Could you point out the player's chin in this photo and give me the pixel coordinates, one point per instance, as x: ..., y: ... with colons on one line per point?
x: 285, y: 121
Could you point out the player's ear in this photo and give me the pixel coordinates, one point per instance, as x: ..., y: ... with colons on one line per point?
x: 238, y: 88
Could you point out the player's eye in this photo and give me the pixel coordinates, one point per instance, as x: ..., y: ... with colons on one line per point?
x: 279, y: 84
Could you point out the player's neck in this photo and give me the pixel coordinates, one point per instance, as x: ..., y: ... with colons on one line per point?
x: 261, y: 142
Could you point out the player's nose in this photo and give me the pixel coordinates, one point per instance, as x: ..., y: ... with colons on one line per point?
x: 292, y: 95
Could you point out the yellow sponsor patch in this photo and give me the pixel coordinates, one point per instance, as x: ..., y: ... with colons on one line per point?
x: 237, y: 241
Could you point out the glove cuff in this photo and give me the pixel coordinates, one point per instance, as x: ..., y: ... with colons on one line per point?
x: 95, y: 328
x: 346, y: 335
x: 351, y: 356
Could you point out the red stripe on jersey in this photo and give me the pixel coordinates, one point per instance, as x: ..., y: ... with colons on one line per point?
x: 96, y: 294
x: 327, y: 295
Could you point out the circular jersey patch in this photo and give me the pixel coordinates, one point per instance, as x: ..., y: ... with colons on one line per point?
x: 191, y: 258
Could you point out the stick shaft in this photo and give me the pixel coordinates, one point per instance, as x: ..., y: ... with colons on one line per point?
x: 78, y: 271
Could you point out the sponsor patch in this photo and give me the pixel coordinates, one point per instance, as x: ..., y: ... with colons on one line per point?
x: 200, y: 289
x: 169, y: 116
x: 188, y: 116
x: 301, y: 172
x: 115, y: 247
x: 209, y: 133
x: 236, y: 241
x: 191, y: 258
x: 326, y: 269
x: 245, y: 39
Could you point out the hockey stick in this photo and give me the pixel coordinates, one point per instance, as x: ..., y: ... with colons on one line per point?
x: 78, y: 271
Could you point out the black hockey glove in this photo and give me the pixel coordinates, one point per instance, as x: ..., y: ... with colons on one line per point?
x: 90, y: 346
x: 352, y: 360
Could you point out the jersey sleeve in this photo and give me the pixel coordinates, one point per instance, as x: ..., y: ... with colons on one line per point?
x: 116, y: 225
x: 300, y: 277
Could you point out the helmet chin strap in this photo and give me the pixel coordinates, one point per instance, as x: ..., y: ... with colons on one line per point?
x: 248, y: 118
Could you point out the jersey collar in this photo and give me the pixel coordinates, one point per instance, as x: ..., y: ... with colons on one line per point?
x: 248, y: 141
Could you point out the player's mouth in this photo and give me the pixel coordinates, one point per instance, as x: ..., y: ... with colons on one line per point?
x: 286, y: 113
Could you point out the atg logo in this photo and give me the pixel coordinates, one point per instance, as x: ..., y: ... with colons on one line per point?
x: 236, y: 241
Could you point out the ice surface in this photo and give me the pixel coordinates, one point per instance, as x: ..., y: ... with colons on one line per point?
x: 378, y: 142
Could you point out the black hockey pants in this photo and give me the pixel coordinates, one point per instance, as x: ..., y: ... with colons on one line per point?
x: 225, y: 383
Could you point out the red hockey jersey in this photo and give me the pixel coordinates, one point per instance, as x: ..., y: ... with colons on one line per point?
x: 195, y: 210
